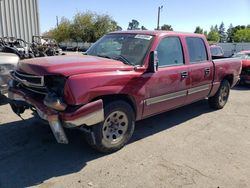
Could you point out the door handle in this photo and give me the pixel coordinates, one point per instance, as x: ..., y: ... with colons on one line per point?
x: 207, y: 71
x: 184, y: 74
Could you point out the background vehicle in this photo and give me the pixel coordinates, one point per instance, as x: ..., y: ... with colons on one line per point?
x: 8, y: 63
x: 16, y: 46
x: 45, y: 46
x: 216, y: 51
x: 245, y: 73
x: 126, y: 76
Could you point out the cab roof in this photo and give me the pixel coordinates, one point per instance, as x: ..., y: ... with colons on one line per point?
x: 156, y: 33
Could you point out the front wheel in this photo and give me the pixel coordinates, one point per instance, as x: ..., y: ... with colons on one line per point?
x: 116, y: 129
x: 219, y: 100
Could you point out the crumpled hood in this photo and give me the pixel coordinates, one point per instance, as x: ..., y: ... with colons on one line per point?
x: 70, y: 65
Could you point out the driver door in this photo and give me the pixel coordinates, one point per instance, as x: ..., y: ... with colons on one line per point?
x: 167, y: 88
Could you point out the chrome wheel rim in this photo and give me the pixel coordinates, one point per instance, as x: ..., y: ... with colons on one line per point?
x: 223, y: 95
x: 115, y: 127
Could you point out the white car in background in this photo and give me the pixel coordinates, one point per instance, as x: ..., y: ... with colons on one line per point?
x: 8, y: 62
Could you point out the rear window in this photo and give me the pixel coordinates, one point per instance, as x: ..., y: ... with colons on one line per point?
x: 215, y: 51
x: 196, y: 49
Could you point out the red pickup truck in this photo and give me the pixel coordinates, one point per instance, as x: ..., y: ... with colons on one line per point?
x: 245, y: 73
x: 124, y: 77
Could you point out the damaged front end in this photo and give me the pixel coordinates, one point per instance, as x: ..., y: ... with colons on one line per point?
x: 45, y: 96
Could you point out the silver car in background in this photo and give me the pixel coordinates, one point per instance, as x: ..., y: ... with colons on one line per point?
x: 8, y: 62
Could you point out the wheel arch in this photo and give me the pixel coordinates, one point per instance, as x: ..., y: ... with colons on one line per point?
x: 229, y: 78
x: 123, y: 97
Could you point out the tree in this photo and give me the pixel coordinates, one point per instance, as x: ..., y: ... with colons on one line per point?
x: 62, y: 32
x: 85, y: 26
x: 167, y: 27
x: 242, y: 35
x: 199, y: 30
x: 222, y: 33
x: 213, y: 36
x: 205, y: 33
x: 234, y: 30
x: 48, y: 34
x: 212, y: 28
x: 230, y: 33
x: 143, y: 28
x: 104, y: 24
x: 133, y: 25
x: 216, y: 28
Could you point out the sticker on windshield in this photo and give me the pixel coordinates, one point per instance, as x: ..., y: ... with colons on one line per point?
x: 145, y: 37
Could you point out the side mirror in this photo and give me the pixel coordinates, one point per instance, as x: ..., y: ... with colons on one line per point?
x: 153, y: 62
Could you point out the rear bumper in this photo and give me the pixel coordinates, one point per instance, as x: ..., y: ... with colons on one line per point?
x: 89, y: 114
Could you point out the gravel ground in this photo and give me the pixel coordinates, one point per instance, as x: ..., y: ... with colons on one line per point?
x: 189, y: 147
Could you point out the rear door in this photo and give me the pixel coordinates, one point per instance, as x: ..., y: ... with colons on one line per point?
x: 201, y: 69
x: 167, y: 88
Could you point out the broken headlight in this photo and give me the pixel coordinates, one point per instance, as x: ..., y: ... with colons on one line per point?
x: 54, y: 97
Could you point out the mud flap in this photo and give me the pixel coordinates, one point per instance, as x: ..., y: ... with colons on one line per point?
x: 89, y: 135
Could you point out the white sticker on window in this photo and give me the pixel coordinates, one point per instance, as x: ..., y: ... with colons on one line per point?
x: 145, y: 37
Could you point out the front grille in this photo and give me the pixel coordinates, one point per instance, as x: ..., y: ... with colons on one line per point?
x: 33, y: 83
x: 39, y: 90
x: 28, y: 79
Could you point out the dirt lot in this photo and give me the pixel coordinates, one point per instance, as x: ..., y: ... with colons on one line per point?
x: 188, y: 147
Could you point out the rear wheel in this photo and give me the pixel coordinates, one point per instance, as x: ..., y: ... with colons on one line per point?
x: 219, y: 100
x: 116, y: 129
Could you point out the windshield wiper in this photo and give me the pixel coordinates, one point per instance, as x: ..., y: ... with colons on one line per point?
x: 119, y: 58
x: 124, y: 60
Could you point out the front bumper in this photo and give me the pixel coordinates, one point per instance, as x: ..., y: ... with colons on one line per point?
x: 89, y: 114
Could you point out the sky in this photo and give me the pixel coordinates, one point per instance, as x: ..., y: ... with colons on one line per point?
x: 183, y: 15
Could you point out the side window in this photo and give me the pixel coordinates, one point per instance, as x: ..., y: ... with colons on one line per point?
x: 248, y: 56
x: 169, y: 52
x: 196, y: 49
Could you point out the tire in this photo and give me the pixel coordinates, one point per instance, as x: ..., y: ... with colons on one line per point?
x: 116, y: 129
x: 219, y: 100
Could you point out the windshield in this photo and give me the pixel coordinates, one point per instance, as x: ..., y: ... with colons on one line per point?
x: 128, y: 48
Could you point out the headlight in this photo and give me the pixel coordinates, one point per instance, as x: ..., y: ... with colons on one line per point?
x: 53, y: 101
x: 55, y: 84
x: 54, y: 98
